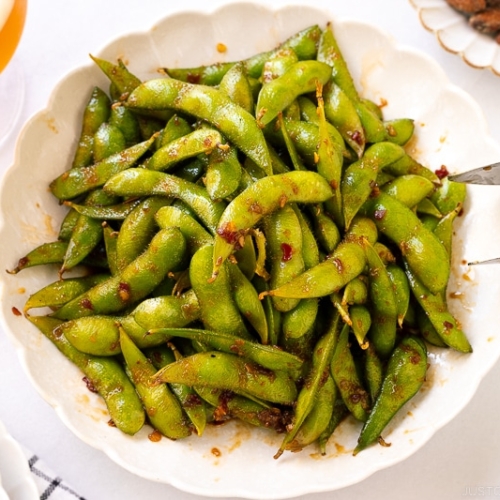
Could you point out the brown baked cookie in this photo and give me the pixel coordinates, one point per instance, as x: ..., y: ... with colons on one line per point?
x: 486, y: 21
x: 468, y: 6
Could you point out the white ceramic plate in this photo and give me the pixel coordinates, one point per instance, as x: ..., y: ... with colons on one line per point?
x: 454, y: 33
x: 234, y: 460
x: 16, y: 480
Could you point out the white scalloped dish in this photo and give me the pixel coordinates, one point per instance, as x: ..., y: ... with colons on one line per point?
x: 234, y: 460
x: 455, y: 34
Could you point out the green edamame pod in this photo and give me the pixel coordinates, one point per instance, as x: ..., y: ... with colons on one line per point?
x: 80, y: 180
x: 408, y: 165
x: 399, y: 130
x: 298, y: 328
x: 209, y: 104
x: 404, y: 377
x: 175, y: 128
x: 97, y: 335
x: 223, y: 174
x: 427, y: 330
x: 248, y: 303
x: 217, y: 306
x: 449, y: 195
x: 199, y: 141
x: 87, y: 232
x: 260, y: 199
x: 444, y: 228
x: 246, y: 257
x: 401, y: 288
x: 269, y: 357
x: 273, y: 316
x: 384, y: 307
x: 330, y: 53
x: 325, y: 229
x: 117, y: 211
x: 355, y: 292
x: 67, y: 225
x: 108, y: 140
x: 409, y: 189
x: 341, y: 113
x: 330, y: 161
x: 104, y: 375
x: 52, y: 253
x: 135, y: 282
x: 307, y: 397
x: 346, y: 263
x: 164, y: 311
x: 310, y: 251
x: 436, y: 309
x: 122, y: 118
x: 162, y: 407
x: 137, y: 230
x: 192, y: 404
x: 301, y: 78
x: 339, y: 412
x: 318, y: 418
x: 427, y: 207
x: 97, y: 111
x: 235, y: 84
x: 228, y: 405
x: 361, y: 322
x: 221, y: 370
x: 195, y: 234
x: 284, y: 250
x: 345, y: 374
x: 304, y: 44
x: 373, y: 372
x: 359, y: 178
x: 59, y: 292
x: 145, y: 182
x: 424, y: 253
x: 121, y: 77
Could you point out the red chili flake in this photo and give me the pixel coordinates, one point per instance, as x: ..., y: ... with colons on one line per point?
x: 448, y: 326
x: 193, y: 78
x: 87, y: 304
x: 380, y: 214
x: 287, y: 252
x: 229, y: 233
x: 442, y: 172
x: 16, y: 311
x: 89, y: 384
x: 216, y: 452
x: 357, y: 137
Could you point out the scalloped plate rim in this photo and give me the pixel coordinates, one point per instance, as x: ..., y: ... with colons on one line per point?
x: 461, y: 53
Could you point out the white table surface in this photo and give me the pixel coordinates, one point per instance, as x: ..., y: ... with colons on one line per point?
x: 462, y: 459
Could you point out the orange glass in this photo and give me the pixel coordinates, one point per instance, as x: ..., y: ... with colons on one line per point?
x: 11, y: 32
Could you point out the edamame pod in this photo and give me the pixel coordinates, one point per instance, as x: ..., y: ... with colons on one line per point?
x: 424, y: 253
x: 301, y: 78
x: 209, y: 104
x: 260, y: 199
x: 221, y: 370
x: 162, y: 407
x: 404, y: 377
x: 135, y: 282
x: 103, y: 375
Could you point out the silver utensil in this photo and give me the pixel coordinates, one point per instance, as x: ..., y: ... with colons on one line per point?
x: 488, y: 175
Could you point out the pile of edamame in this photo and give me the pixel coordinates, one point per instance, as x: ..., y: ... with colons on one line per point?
x: 249, y: 240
